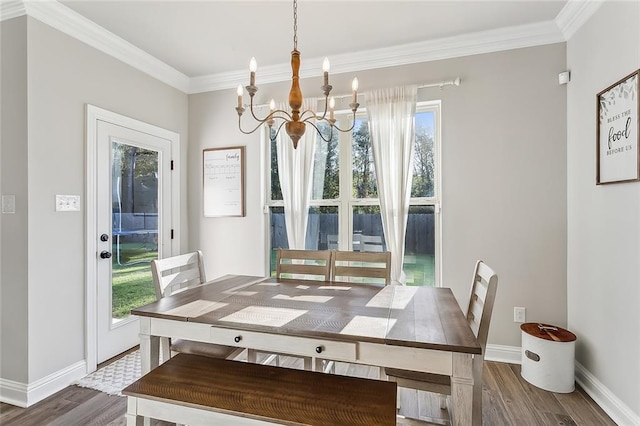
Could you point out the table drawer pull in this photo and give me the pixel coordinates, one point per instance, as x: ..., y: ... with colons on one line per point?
x: 278, y: 343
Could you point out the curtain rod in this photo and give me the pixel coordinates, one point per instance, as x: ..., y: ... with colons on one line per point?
x: 454, y: 82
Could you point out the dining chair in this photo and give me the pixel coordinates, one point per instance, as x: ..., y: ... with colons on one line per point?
x: 365, y: 267
x: 303, y: 264
x: 483, y: 293
x: 172, y: 275
x: 314, y: 265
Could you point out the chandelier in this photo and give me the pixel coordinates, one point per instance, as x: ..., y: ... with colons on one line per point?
x: 295, y: 122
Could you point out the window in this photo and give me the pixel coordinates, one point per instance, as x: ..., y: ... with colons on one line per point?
x: 344, y: 210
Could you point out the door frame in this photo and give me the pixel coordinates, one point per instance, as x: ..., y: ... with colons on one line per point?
x: 93, y: 115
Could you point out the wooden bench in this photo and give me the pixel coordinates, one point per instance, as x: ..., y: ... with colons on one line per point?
x: 198, y: 390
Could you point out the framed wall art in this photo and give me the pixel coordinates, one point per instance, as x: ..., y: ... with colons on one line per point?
x: 223, y: 181
x: 618, y: 126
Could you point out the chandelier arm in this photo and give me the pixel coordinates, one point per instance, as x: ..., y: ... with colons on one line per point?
x: 275, y: 117
x: 326, y: 104
x: 275, y: 136
x: 320, y: 133
x: 314, y: 115
x: 353, y: 124
x: 270, y: 115
x: 250, y: 131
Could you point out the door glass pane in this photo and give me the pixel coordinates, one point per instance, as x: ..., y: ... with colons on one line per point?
x: 419, y: 246
x: 135, y: 227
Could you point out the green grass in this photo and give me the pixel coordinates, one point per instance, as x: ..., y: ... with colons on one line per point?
x: 132, y: 284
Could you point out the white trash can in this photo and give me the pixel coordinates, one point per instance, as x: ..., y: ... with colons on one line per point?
x: 548, y: 354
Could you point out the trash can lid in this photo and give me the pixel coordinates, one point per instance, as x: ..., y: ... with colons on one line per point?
x: 548, y: 332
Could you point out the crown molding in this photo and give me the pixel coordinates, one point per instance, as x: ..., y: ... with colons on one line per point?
x: 451, y: 47
x: 571, y: 17
x: 575, y: 14
x: 11, y: 9
x: 77, y: 26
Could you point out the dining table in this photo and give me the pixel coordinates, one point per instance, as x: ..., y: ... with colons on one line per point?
x: 413, y: 328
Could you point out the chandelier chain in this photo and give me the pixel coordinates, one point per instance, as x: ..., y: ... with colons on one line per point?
x: 295, y: 25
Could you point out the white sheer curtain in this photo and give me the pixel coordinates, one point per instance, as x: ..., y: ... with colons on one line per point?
x: 295, y: 167
x: 391, y: 114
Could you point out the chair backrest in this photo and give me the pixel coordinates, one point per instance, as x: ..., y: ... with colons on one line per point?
x: 303, y: 264
x: 483, y: 294
x: 177, y: 273
x: 353, y: 266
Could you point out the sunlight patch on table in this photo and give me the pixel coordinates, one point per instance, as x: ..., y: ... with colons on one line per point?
x: 402, y: 296
x: 196, y: 308
x: 245, y: 293
x: 368, y: 326
x: 382, y: 299
x: 262, y: 315
x: 334, y: 287
x: 304, y: 298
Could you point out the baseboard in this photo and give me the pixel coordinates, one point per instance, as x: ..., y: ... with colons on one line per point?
x: 23, y: 395
x: 611, y: 404
x: 14, y: 393
x: 500, y: 353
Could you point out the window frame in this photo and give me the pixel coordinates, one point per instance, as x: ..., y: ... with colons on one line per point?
x: 346, y: 202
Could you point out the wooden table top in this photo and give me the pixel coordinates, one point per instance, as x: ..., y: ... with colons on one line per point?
x: 421, y: 317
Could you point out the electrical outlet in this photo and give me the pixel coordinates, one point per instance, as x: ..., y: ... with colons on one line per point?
x: 519, y: 314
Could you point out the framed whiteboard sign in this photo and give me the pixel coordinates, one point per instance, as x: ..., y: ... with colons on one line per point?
x: 223, y: 181
x: 618, y: 158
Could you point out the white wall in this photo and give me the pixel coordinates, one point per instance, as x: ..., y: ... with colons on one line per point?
x: 13, y: 154
x: 504, y: 176
x: 61, y: 75
x: 604, y: 221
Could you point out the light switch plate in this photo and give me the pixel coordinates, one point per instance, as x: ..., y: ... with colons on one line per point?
x: 8, y: 204
x: 67, y: 203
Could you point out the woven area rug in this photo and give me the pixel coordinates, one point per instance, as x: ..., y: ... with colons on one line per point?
x: 114, y: 377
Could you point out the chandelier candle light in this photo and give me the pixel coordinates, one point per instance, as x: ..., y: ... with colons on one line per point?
x: 295, y: 122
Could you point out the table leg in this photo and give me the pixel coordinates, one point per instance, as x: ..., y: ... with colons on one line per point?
x: 149, y: 359
x: 149, y: 347
x: 466, y: 390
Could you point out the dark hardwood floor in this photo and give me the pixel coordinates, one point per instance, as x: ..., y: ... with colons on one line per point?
x: 507, y: 400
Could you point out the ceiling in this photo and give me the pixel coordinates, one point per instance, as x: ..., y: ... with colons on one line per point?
x: 206, y: 45
x: 211, y: 37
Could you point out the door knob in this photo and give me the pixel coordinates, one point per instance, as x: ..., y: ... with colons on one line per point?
x: 105, y: 254
x: 104, y: 237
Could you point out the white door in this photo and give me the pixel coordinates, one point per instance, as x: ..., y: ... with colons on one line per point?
x: 133, y: 224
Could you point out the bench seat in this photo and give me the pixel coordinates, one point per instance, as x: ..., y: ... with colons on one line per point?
x: 200, y: 390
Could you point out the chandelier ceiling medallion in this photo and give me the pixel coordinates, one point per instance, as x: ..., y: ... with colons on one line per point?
x: 295, y: 122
